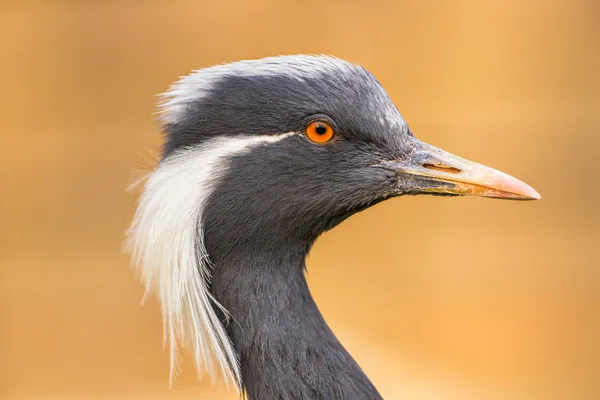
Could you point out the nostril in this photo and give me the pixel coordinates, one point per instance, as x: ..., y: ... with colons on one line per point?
x: 442, y: 168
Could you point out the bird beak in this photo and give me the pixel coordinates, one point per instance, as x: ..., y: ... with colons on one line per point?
x: 429, y: 170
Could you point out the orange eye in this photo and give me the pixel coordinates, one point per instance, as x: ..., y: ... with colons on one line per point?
x: 319, y: 132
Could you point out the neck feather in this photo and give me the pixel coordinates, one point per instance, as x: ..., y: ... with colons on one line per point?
x: 286, y: 349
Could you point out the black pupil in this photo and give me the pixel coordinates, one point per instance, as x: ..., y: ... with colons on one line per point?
x: 321, y: 129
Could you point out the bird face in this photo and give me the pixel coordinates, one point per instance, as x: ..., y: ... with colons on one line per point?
x: 324, y: 141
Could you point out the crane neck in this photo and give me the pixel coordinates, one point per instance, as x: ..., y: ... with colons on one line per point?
x: 287, y: 351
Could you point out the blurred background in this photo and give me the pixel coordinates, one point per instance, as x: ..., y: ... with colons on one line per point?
x: 437, y: 298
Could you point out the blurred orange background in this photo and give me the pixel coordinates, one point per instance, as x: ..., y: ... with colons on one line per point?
x: 437, y: 298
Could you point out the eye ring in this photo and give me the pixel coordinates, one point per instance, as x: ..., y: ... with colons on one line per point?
x: 319, y: 132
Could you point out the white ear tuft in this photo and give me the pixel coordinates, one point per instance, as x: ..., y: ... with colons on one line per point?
x: 166, y: 243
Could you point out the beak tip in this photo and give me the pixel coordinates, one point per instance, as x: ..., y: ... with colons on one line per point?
x: 528, y: 192
x: 535, y: 195
x: 532, y: 196
x: 519, y: 190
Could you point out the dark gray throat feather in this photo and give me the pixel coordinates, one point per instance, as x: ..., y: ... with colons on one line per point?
x: 286, y: 349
